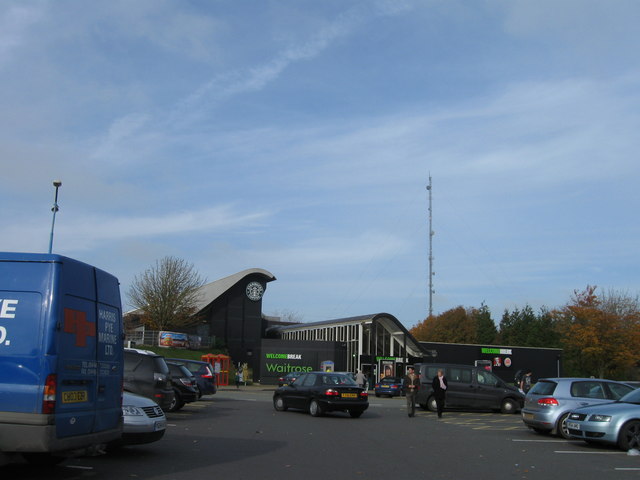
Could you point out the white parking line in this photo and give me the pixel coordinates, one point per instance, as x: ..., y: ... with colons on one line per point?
x: 537, y: 441
x: 590, y: 453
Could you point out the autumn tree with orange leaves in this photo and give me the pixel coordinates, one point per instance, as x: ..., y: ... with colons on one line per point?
x: 600, y: 334
x: 457, y: 325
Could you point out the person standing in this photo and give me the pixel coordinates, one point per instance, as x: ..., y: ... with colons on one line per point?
x: 525, y: 383
x: 439, y: 385
x: 360, y: 379
x: 411, y: 385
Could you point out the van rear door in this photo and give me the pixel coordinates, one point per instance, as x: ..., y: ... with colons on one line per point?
x: 89, y: 351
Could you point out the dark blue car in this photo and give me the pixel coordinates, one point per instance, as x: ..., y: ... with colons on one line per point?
x: 391, y: 386
x: 203, y: 371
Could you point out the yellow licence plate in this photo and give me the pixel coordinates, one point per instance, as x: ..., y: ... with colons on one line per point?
x: 349, y: 395
x: 75, y: 396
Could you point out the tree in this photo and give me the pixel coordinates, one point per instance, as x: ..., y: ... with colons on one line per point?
x: 600, y: 334
x: 453, y: 326
x: 527, y: 329
x: 486, y: 330
x: 167, y: 294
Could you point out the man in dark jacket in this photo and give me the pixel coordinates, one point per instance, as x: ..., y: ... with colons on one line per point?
x: 411, y: 384
x: 439, y: 385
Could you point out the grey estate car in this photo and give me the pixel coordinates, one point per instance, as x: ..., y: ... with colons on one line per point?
x: 550, y: 400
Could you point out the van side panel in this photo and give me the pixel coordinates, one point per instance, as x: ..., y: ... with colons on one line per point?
x: 110, y: 352
x: 25, y: 293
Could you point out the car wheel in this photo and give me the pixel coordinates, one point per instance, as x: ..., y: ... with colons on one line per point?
x: 355, y: 413
x: 279, y: 405
x: 176, y: 403
x: 315, y: 409
x: 432, y: 405
x: 562, y: 429
x: 629, y: 436
x: 508, y: 406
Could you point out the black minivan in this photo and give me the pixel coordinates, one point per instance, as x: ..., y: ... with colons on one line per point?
x: 469, y: 387
x: 146, y: 373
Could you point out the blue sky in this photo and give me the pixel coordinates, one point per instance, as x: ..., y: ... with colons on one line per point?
x: 299, y: 136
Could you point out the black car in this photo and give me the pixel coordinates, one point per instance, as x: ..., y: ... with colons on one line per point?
x: 321, y: 392
x: 203, y: 371
x: 184, y: 386
x: 289, y: 378
x: 146, y: 373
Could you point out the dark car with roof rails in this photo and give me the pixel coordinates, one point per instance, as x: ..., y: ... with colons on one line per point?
x: 203, y: 371
x: 146, y: 373
x: 184, y: 386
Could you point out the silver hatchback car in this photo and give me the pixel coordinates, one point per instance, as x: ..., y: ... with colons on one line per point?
x: 550, y: 400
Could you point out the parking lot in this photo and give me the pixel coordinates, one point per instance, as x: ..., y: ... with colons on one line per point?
x: 237, y: 434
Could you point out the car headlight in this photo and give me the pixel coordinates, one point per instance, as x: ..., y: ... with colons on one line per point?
x: 600, y: 418
x: 131, y: 410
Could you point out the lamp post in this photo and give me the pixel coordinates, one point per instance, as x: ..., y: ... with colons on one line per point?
x: 54, y: 209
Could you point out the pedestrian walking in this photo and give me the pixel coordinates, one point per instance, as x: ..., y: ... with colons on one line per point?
x: 439, y: 385
x: 411, y: 385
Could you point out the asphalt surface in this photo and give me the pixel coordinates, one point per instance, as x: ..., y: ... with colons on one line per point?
x: 236, y: 434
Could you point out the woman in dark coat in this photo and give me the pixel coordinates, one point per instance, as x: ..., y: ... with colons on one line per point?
x: 439, y: 385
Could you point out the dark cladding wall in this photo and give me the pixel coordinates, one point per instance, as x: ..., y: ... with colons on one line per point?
x: 279, y: 357
x: 237, y: 320
x: 505, y: 361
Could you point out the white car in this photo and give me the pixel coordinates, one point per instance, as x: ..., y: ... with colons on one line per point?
x: 144, y: 421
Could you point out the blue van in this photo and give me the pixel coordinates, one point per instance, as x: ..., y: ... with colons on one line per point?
x: 61, y: 348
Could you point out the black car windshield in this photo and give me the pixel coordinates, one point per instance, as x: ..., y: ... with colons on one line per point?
x: 337, y: 379
x: 631, y: 397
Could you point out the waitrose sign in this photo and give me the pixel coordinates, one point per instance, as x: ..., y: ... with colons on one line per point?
x: 278, y: 363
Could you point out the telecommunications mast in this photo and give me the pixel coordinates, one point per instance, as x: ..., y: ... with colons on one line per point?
x: 431, y: 272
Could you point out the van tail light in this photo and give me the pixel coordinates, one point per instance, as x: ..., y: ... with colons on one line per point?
x: 548, y: 402
x: 49, y: 394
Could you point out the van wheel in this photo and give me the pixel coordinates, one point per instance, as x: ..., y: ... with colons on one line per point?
x: 508, y: 406
x: 315, y: 409
x: 432, y: 405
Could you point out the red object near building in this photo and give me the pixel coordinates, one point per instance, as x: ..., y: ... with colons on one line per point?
x: 220, y: 364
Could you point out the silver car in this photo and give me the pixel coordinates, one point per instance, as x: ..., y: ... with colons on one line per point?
x: 550, y: 400
x: 144, y: 421
x: 615, y: 423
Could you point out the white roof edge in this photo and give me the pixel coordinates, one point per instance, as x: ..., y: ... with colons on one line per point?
x: 209, y: 292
